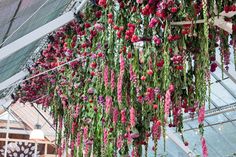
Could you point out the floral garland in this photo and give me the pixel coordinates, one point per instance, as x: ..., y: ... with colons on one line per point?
x: 135, y: 74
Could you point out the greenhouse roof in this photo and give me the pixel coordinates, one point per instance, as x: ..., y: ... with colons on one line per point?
x: 20, y: 17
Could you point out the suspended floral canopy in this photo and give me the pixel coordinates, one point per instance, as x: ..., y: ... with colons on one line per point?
x: 125, y: 70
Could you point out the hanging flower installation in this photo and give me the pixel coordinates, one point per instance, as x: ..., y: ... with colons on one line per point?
x: 131, y: 73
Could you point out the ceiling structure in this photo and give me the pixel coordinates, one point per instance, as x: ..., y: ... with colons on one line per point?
x: 22, y: 121
x: 20, y: 17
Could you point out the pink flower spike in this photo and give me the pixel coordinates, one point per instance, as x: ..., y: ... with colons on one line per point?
x: 85, y: 133
x: 204, y: 147
x: 112, y: 80
x: 167, y: 103
x: 105, y: 75
x: 123, y: 116
x: 115, y: 116
x: 122, y: 65
x: 132, y: 117
x: 119, y: 89
x: 78, y: 139
x: 108, y: 104
x: 201, y: 114
x: 105, y: 135
x: 119, y: 142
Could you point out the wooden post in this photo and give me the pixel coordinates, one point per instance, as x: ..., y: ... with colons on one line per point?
x: 7, y: 134
x: 45, y: 149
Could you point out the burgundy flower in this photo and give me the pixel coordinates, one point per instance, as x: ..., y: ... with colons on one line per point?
x: 153, y: 22
x: 157, y: 40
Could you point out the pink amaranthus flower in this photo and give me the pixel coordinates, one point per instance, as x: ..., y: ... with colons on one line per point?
x: 115, y: 116
x: 168, y: 100
x: 105, y: 135
x: 204, y: 147
x: 201, y: 114
x: 132, y: 117
x: 119, y: 142
x: 105, y: 76
x: 112, y: 80
x: 123, y: 116
x: 108, y: 104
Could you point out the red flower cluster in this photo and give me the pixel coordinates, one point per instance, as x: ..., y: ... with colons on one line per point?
x: 229, y: 8
x: 173, y: 37
x: 178, y: 62
x: 153, y: 22
x: 157, y: 40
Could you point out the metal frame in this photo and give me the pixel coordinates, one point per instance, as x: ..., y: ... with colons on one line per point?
x: 22, y: 132
x: 20, y: 75
x: 227, y: 73
x: 216, y: 111
x: 217, y: 21
x: 224, y: 85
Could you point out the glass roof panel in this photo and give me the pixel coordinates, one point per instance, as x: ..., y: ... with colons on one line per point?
x: 214, y: 144
x: 231, y: 115
x: 215, y: 140
x: 26, y: 8
x: 230, y: 84
x: 225, y: 133
x: 193, y: 124
x: 216, y: 119
x: 12, y: 64
x: 44, y: 15
x: 220, y: 95
x: 7, y: 9
x: 193, y: 139
x: 4, y: 116
x: 209, y: 106
x: 173, y: 150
